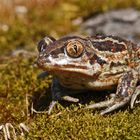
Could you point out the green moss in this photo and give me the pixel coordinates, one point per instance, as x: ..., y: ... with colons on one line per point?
x: 86, y: 125
x: 18, y: 78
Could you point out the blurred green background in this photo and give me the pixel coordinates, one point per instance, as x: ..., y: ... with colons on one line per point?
x: 22, y: 24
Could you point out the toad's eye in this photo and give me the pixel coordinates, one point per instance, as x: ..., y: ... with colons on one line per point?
x: 44, y: 43
x: 74, y: 49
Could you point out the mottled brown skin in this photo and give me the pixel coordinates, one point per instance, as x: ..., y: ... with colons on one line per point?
x: 95, y: 63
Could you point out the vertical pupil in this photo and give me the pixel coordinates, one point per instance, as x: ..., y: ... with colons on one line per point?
x: 75, y: 48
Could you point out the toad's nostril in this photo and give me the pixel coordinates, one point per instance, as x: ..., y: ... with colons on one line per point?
x: 46, y: 41
x: 41, y: 45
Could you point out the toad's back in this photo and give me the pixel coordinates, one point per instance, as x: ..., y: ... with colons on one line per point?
x: 115, y: 56
x: 95, y: 62
x: 115, y: 49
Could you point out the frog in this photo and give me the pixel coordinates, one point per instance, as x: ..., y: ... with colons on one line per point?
x: 91, y: 63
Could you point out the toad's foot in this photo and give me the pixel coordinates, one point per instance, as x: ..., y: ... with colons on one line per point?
x: 111, y: 105
x: 66, y: 98
x: 134, y: 97
x: 125, y: 90
x: 53, y: 103
x: 8, y: 126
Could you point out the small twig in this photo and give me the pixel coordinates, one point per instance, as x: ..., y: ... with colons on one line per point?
x: 5, y: 134
x: 56, y: 115
x: 7, y: 126
x: 27, y: 104
x: 22, y: 127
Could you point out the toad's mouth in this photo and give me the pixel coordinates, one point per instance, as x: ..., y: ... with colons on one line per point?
x: 67, y: 66
x: 68, y: 69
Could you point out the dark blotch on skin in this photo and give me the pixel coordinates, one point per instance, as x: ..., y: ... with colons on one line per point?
x: 108, y: 46
x: 113, y: 64
x: 97, y: 59
x: 57, y: 51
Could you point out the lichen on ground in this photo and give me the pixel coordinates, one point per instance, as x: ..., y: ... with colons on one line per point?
x: 19, y: 76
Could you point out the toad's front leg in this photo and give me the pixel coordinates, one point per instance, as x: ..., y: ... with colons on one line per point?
x: 126, y: 87
x: 60, y: 93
